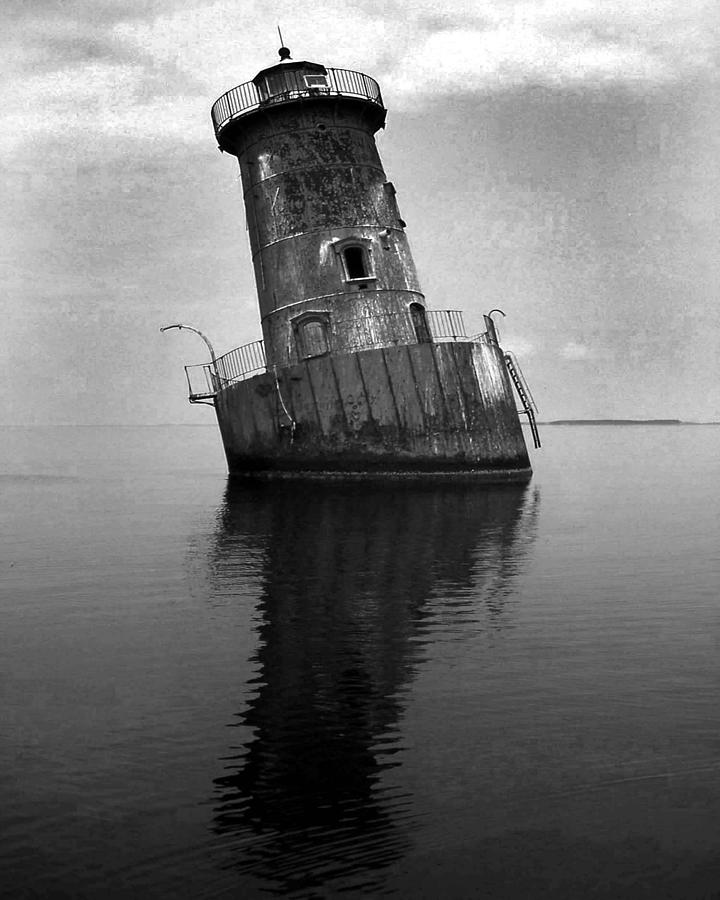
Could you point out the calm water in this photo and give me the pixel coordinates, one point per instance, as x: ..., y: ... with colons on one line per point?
x: 403, y: 691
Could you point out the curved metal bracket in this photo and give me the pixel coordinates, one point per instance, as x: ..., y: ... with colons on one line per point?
x: 197, y: 331
x: 490, y: 325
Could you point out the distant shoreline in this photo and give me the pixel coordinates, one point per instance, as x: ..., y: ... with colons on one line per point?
x: 106, y: 425
x: 623, y: 422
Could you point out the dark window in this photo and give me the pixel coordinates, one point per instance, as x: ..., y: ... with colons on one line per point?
x: 356, y: 262
x: 275, y: 85
x: 419, y: 320
x: 392, y: 201
x: 355, y: 255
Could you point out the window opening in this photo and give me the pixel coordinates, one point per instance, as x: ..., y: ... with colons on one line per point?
x: 314, y: 338
x: 392, y: 200
x: 316, y: 81
x: 311, y: 334
x: 355, y: 255
x: 275, y: 84
x: 419, y: 320
x: 356, y: 262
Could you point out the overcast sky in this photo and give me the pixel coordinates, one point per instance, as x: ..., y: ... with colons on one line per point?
x: 559, y: 160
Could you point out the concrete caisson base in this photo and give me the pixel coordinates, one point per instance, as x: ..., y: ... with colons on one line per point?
x: 476, y: 476
x: 416, y: 411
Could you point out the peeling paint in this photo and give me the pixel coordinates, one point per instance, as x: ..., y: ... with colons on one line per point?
x: 317, y: 171
x: 336, y: 277
x: 453, y: 413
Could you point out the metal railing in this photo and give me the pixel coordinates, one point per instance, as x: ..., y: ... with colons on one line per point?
x: 446, y: 324
x: 202, y: 382
x: 205, y: 380
x: 241, y: 362
x: 246, y: 97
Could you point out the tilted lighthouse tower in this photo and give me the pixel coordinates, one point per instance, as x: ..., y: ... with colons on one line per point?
x: 332, y: 264
x: 359, y: 377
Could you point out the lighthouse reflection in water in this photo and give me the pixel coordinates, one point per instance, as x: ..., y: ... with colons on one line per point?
x: 359, y: 587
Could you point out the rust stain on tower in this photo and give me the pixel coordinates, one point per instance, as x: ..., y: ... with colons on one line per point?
x: 355, y: 374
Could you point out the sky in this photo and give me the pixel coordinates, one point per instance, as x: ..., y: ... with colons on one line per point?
x: 556, y: 159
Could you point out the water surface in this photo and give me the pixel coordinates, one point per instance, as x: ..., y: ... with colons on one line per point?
x: 213, y: 690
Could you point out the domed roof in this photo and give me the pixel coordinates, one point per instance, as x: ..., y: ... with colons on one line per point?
x: 287, y: 64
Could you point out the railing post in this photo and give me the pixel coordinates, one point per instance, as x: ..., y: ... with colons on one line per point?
x: 490, y: 325
x: 490, y: 329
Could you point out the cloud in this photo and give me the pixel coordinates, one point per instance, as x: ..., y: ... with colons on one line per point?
x: 126, y: 69
x: 574, y: 351
x: 69, y: 73
x: 100, y: 99
x: 477, y: 46
x: 561, y: 43
x: 521, y: 347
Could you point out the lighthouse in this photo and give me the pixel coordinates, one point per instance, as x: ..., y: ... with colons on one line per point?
x: 333, y: 267
x: 355, y: 374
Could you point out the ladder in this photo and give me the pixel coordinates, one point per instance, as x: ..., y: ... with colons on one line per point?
x: 526, y: 398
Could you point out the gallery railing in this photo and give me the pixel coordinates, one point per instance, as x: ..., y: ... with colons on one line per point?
x: 446, y: 324
x: 246, y: 97
x: 206, y: 379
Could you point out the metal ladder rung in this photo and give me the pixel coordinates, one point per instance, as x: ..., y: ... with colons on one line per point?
x: 524, y: 394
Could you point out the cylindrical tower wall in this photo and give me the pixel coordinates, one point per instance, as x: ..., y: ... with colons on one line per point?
x: 333, y: 267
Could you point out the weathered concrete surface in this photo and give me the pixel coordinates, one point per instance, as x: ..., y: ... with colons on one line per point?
x: 354, y: 384
x: 312, y: 178
x: 419, y: 408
